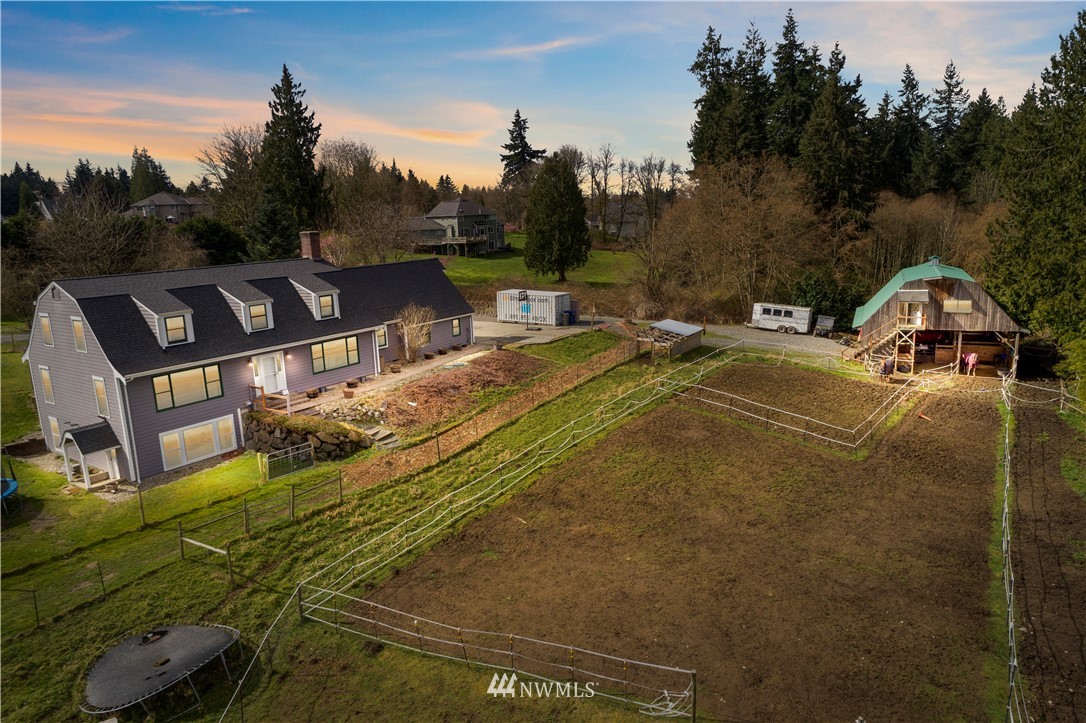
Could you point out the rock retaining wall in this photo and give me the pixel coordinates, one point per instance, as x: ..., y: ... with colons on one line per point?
x: 272, y: 434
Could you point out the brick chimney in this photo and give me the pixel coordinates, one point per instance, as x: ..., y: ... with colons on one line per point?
x: 311, y: 245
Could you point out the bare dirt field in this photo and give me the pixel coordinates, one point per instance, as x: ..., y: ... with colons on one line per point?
x: 441, y: 397
x: 1049, y: 554
x: 799, y: 583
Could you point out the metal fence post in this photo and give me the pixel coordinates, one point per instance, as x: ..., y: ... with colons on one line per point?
x: 694, y: 685
x: 290, y: 509
x: 298, y: 592
x: 37, y: 620
x: 181, y: 539
x: 245, y: 513
x: 340, y: 486
x: 101, y: 578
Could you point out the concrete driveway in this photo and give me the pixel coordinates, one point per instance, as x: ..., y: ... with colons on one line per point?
x: 488, y: 330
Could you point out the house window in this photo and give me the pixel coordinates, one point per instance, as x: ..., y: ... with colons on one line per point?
x: 382, y: 337
x: 327, y: 306
x: 175, y: 330
x: 187, y: 387
x: 200, y: 441
x: 46, y: 385
x: 46, y: 329
x: 456, y: 327
x: 80, y: 337
x: 958, y: 306
x: 334, y: 354
x: 100, y: 396
x: 258, y: 316
x: 54, y: 432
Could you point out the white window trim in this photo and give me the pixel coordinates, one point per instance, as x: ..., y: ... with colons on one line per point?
x: 83, y: 325
x: 457, y: 327
x: 52, y: 341
x: 377, y: 334
x: 57, y: 437
x: 249, y: 319
x: 180, y: 431
x: 52, y: 391
x: 105, y: 395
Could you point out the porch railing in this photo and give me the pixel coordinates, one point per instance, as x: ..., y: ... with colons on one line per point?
x: 266, y: 402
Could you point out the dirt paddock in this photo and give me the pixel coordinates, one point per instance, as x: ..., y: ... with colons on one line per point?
x: 800, y: 583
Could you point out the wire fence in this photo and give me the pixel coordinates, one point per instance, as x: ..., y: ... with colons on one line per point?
x: 650, y: 688
x: 80, y: 582
x: 1016, y: 699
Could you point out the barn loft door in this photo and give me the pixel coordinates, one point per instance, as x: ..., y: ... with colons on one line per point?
x: 912, y: 314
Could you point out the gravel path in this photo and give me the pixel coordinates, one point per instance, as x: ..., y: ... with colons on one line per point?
x: 799, y: 342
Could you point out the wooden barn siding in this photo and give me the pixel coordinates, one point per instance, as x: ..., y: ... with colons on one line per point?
x: 987, y: 314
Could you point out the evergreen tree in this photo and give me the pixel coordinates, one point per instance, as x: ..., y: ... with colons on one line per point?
x: 881, y: 144
x: 1038, y: 265
x: 520, y: 156
x: 796, y: 85
x: 273, y: 232
x: 222, y: 243
x: 27, y: 200
x: 78, y: 180
x: 148, y: 177
x: 978, y: 146
x: 446, y: 189
x: 833, y: 150
x: 910, y: 122
x: 288, y: 155
x: 11, y: 183
x: 713, y: 67
x: 948, y: 104
x: 557, y: 237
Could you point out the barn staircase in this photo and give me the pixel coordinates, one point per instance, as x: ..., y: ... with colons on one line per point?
x: 890, y: 341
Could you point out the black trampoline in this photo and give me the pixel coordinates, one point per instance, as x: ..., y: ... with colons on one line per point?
x: 141, y: 666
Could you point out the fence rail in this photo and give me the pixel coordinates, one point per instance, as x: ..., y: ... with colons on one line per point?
x: 1016, y: 698
x: 651, y: 688
x: 283, y: 462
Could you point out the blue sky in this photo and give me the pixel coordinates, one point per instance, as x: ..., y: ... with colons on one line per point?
x: 434, y: 85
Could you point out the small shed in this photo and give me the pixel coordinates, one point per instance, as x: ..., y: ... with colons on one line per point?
x: 676, y: 336
x: 934, y: 313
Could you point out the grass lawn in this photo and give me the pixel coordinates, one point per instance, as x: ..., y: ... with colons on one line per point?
x: 604, y: 268
x: 18, y: 415
x: 572, y: 349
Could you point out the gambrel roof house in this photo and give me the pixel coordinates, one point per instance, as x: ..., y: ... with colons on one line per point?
x: 459, y: 227
x: 138, y: 374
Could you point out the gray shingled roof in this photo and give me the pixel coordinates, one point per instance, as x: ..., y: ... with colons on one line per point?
x: 166, y: 199
x: 93, y: 437
x: 459, y: 207
x: 368, y: 297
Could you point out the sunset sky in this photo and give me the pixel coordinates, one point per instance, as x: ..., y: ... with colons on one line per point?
x: 434, y: 85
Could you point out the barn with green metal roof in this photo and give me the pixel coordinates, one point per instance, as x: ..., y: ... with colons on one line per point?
x: 933, y: 314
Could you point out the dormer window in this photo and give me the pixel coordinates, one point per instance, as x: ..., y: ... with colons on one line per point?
x: 176, y: 332
x: 259, y: 317
x: 327, y: 305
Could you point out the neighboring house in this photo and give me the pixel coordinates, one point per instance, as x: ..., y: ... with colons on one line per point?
x: 624, y: 220
x: 933, y: 313
x: 466, y: 229
x: 139, y: 374
x: 169, y: 207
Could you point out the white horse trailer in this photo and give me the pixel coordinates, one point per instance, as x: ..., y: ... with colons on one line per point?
x: 781, y: 317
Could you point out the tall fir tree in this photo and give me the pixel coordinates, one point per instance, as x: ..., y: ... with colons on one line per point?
x: 978, y: 147
x: 520, y: 157
x: 948, y: 104
x: 833, y: 150
x: 148, y: 177
x: 1037, y: 269
x: 557, y: 237
x: 910, y: 122
x: 273, y: 232
x: 288, y: 155
x: 796, y: 71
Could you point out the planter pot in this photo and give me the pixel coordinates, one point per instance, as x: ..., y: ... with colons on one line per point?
x: 312, y: 393
x: 428, y: 355
x: 394, y: 368
x: 442, y: 352
x: 348, y: 394
x: 352, y: 383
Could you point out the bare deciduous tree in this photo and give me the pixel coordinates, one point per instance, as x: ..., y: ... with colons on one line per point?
x: 600, y: 166
x: 414, y: 329
x: 231, y: 163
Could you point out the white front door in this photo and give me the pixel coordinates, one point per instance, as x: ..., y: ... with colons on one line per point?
x: 112, y: 468
x: 268, y: 372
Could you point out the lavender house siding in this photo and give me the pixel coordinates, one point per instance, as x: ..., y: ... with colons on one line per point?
x: 394, y: 351
x: 71, y: 373
x: 299, y: 366
x: 441, y: 334
x: 236, y: 376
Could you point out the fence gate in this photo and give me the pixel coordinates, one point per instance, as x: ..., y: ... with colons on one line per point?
x: 285, y: 461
